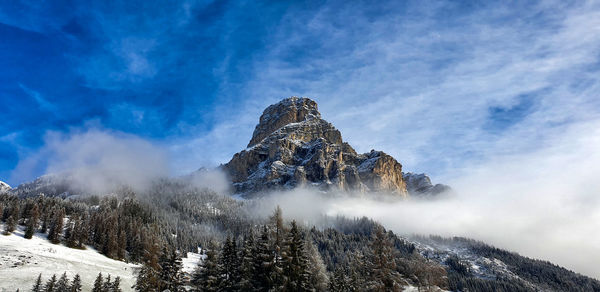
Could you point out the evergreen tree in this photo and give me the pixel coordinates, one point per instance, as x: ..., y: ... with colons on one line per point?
x: 148, y: 278
x: 277, y: 276
x: 56, y: 227
x: 37, y: 287
x: 98, y: 284
x: 110, y: 243
x: 10, y: 225
x: 116, y: 285
x: 318, y: 276
x: 107, y: 285
x: 50, y: 285
x: 229, y: 266
x: 45, y: 222
x: 340, y: 281
x: 76, y: 284
x: 32, y: 221
x: 171, y: 275
x: 70, y: 236
x: 383, y: 276
x: 121, y: 244
x: 296, y: 262
x: 63, y: 283
x: 79, y: 233
x: 247, y: 264
x: 15, y: 212
x: 263, y: 263
x: 206, y: 276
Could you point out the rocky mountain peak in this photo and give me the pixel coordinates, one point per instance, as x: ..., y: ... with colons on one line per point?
x: 288, y: 111
x: 293, y: 146
x: 420, y: 184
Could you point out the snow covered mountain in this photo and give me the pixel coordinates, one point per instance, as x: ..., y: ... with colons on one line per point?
x: 4, y: 187
x: 293, y: 146
x: 474, y: 266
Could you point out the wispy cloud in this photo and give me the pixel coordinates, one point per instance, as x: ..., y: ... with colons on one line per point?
x: 41, y: 101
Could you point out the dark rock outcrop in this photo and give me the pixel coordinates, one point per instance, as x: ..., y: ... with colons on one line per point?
x: 293, y: 146
x: 419, y: 184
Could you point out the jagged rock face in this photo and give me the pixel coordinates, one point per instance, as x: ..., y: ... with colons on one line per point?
x: 420, y: 185
x: 292, y: 146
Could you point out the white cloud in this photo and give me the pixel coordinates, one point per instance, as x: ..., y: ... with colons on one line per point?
x: 97, y: 160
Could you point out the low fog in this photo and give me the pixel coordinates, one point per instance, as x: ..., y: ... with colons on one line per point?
x: 543, y: 204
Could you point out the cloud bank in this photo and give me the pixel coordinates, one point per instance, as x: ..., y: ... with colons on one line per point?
x: 97, y: 160
x: 544, y: 204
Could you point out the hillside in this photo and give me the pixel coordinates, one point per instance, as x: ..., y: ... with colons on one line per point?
x: 22, y: 260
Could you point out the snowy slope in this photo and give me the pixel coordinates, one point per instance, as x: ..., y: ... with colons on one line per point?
x: 22, y: 260
x: 191, y: 262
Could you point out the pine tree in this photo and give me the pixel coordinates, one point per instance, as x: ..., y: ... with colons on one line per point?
x: 229, y: 266
x: 98, y: 284
x: 32, y: 221
x: 121, y: 244
x: 318, y: 276
x: 296, y: 262
x: 171, y: 275
x: 206, y: 276
x: 15, y: 212
x: 63, y: 283
x: 278, y: 236
x: 116, y: 285
x: 50, y: 285
x: 247, y: 264
x: 110, y: 245
x: 340, y: 282
x: 45, y: 222
x: 148, y: 278
x: 358, y: 269
x: 80, y: 233
x: 56, y: 227
x: 37, y: 287
x: 107, y: 285
x: 76, y: 284
x: 10, y: 225
x: 263, y: 263
x: 70, y: 233
x: 382, y: 264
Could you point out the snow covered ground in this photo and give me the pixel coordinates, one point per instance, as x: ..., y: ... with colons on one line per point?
x: 22, y: 260
x: 191, y: 261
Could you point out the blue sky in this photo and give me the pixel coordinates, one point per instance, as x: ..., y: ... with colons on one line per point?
x: 499, y: 100
x: 439, y: 85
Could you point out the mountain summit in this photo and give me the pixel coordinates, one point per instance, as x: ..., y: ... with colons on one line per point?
x: 293, y: 146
